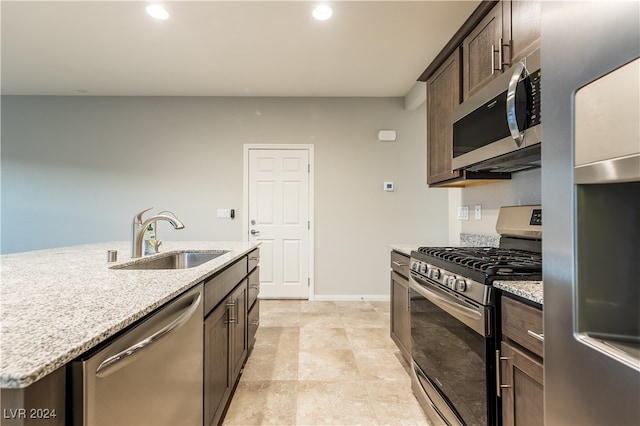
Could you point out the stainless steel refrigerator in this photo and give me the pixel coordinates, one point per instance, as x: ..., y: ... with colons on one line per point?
x: 591, y: 199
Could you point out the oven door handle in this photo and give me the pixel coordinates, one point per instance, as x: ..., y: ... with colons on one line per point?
x: 452, y: 303
x: 474, y: 318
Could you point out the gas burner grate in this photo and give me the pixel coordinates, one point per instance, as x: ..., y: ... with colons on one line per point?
x: 490, y: 260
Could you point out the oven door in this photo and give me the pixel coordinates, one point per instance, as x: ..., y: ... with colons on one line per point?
x: 451, y: 347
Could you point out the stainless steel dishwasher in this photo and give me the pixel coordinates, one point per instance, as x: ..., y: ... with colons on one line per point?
x: 152, y: 374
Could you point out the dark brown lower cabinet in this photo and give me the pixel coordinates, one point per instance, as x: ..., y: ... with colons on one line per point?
x: 217, y: 383
x: 238, y: 335
x: 521, y: 364
x: 400, y: 326
x: 225, y: 350
x: 522, y: 388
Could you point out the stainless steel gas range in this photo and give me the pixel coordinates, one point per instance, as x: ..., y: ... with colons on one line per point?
x: 453, y: 325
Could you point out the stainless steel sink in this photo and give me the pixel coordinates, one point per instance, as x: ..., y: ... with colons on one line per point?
x: 174, y: 260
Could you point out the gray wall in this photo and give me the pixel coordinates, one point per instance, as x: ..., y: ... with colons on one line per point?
x: 523, y: 188
x: 76, y: 169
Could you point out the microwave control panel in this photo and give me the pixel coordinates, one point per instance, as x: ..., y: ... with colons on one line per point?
x: 533, y: 107
x: 536, y: 217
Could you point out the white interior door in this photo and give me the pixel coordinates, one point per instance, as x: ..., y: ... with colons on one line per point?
x: 279, y: 217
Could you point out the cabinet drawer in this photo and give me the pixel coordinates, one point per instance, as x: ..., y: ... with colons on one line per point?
x: 254, y: 285
x: 253, y: 259
x: 400, y: 263
x: 522, y: 324
x: 216, y: 288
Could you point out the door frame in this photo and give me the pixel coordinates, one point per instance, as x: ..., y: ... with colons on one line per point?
x: 245, y: 200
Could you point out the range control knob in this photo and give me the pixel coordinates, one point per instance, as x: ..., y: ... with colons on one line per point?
x: 423, y: 268
x: 460, y: 284
x: 414, y: 266
x: 450, y: 281
x: 434, y: 274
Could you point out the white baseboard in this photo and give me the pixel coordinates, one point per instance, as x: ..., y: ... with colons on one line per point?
x: 349, y: 298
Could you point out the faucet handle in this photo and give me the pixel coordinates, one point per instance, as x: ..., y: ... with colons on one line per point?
x: 156, y: 245
x: 137, y: 219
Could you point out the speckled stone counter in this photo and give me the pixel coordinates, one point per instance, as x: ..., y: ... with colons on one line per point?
x: 478, y: 240
x: 530, y: 290
x: 56, y: 304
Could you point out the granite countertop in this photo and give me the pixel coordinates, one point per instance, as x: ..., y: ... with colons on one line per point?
x: 530, y: 290
x: 56, y: 304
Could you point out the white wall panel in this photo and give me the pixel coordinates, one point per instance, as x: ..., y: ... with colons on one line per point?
x: 291, y: 254
x: 266, y: 194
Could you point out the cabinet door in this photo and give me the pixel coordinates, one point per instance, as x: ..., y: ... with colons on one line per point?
x: 521, y: 28
x: 481, y: 52
x: 238, y: 328
x: 443, y: 95
x: 522, y: 388
x: 400, y: 319
x: 217, y: 381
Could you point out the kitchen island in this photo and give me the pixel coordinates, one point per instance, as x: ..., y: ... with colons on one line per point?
x: 58, y: 303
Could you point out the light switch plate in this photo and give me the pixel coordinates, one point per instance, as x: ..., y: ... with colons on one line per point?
x: 478, y: 211
x: 463, y: 213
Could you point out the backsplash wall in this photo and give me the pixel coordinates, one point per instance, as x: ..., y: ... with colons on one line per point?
x: 524, y: 188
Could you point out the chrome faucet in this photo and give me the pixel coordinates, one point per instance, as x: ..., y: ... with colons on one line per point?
x: 138, y: 227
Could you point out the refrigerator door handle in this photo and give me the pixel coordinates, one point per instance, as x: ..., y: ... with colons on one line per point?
x: 107, y: 365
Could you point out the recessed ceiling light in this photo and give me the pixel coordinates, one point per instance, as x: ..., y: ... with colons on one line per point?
x: 322, y: 12
x: 157, y: 11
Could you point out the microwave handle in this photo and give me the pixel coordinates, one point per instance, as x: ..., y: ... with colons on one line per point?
x: 512, y: 121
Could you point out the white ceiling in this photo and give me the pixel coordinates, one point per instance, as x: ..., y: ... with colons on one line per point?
x: 222, y: 48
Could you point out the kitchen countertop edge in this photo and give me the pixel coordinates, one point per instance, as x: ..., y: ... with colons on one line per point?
x: 529, y: 290
x: 64, y: 334
x: 403, y: 248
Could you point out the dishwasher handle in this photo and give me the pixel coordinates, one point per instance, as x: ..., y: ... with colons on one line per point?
x: 107, y: 365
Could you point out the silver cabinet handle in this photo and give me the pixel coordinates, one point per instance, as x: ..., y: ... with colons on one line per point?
x: 499, y: 385
x: 254, y: 232
x: 512, y: 120
x: 500, y: 64
x: 232, y: 316
x: 498, y: 375
x: 508, y: 45
x: 109, y: 363
x: 493, y: 59
x: 399, y: 264
x: 539, y: 337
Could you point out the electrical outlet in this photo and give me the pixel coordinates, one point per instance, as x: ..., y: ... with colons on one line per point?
x: 224, y: 214
x: 478, y: 211
x: 463, y: 213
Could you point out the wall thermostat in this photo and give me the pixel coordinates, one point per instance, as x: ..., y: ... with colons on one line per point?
x: 388, y: 186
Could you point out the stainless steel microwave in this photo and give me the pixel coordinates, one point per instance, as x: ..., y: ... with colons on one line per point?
x: 498, y: 129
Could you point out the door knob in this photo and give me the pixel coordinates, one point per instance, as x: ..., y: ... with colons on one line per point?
x: 254, y: 232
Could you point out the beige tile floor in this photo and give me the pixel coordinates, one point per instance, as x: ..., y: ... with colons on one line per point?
x: 324, y: 363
